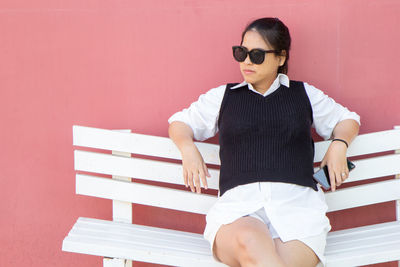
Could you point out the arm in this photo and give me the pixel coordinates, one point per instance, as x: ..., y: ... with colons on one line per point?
x: 333, y: 120
x: 335, y: 156
x: 193, y: 164
x: 198, y: 122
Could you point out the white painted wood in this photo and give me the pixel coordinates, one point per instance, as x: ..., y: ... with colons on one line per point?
x: 397, y: 127
x: 137, y: 143
x: 147, y: 169
x: 121, y: 240
x: 364, y: 144
x: 112, y: 262
x: 122, y: 211
x: 397, y: 177
x: 172, y: 172
x: 373, y: 168
x: 350, y: 247
x: 363, y: 195
x: 129, y: 241
x: 163, y: 147
x: 200, y: 203
x: 144, y: 194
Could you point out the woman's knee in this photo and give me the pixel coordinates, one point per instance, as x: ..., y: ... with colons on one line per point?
x: 236, y: 240
x: 253, y: 242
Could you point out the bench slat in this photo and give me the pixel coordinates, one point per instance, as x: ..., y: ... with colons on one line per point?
x: 375, y: 167
x: 98, y: 237
x: 172, y: 172
x: 363, y: 195
x: 374, y: 229
x: 138, y: 143
x: 200, y: 203
x: 137, y: 168
x: 164, y: 147
x: 144, y: 230
x: 364, y: 144
x: 144, y: 194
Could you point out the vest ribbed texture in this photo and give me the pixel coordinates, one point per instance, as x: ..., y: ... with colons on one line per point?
x: 266, y: 138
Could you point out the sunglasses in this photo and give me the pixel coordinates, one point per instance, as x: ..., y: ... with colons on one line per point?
x: 257, y: 55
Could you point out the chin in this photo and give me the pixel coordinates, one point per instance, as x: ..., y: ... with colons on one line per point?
x: 248, y: 80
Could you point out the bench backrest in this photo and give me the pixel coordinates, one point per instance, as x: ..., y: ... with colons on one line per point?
x: 156, y: 168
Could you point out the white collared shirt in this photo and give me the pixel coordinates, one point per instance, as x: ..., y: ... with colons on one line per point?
x: 295, y: 211
x: 202, y: 115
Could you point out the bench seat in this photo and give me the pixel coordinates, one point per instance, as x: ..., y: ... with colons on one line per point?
x: 349, y: 247
x: 139, y: 243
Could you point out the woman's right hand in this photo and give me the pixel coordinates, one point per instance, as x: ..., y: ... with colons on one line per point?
x: 194, y: 168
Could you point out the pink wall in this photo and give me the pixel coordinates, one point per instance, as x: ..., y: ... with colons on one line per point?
x: 130, y: 65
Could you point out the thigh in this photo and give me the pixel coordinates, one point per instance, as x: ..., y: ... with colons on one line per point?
x: 296, y: 253
x: 227, y: 243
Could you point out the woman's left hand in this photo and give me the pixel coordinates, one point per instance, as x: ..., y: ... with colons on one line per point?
x: 336, y: 160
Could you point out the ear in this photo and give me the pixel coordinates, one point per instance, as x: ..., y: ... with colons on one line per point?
x: 282, y: 58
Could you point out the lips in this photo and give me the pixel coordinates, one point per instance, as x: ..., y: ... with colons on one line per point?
x: 248, y: 71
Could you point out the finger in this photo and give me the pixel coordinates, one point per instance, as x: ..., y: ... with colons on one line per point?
x: 332, y: 179
x: 206, y: 170
x: 343, y: 175
x: 323, y: 163
x: 185, y: 177
x: 338, y: 178
x: 203, y: 178
x: 197, y: 181
x: 190, y: 179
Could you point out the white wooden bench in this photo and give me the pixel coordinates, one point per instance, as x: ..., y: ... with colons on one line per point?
x: 119, y: 241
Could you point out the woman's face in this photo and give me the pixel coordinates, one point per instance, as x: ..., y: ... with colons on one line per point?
x: 262, y: 75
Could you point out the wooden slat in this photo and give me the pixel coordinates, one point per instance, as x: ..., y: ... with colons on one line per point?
x: 138, y: 143
x: 364, y: 144
x: 363, y: 195
x: 200, y: 203
x: 119, y: 240
x: 138, y: 168
x: 345, y: 235
x: 164, y: 147
x: 374, y: 168
x: 172, y: 172
x: 122, y: 211
x: 364, y: 245
x: 144, y: 194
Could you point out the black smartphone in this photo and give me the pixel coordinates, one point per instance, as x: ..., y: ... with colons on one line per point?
x: 322, y: 175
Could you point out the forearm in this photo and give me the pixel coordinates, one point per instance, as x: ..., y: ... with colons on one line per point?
x: 181, y: 134
x: 346, y: 130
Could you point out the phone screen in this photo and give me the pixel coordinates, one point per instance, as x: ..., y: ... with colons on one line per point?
x: 322, y: 175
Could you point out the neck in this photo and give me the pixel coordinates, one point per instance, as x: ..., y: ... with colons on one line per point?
x: 264, y: 85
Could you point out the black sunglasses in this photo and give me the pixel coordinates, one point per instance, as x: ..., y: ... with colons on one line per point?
x: 257, y: 55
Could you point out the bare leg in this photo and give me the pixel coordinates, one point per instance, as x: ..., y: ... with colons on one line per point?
x: 295, y: 253
x: 246, y: 242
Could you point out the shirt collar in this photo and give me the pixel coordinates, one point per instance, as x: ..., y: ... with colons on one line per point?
x: 281, y: 79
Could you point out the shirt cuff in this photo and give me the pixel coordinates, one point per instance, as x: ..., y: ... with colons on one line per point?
x: 180, y: 116
x: 352, y: 116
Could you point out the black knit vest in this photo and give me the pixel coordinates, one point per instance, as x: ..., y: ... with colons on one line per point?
x: 266, y: 138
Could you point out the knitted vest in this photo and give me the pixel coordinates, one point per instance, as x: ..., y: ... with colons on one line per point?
x: 266, y: 138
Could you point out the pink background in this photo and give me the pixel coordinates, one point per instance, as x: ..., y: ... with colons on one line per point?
x: 130, y: 65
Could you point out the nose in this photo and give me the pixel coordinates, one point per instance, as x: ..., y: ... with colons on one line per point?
x: 247, y: 59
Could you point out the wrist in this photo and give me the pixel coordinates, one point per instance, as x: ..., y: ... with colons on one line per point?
x: 340, y: 140
x: 187, y: 147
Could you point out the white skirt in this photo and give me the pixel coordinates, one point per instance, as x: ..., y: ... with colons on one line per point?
x: 289, y: 211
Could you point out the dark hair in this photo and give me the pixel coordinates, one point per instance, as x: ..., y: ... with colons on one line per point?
x: 274, y: 33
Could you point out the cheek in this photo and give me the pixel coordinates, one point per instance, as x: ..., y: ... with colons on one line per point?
x: 269, y: 66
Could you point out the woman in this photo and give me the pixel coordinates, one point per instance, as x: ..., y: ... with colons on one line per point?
x: 270, y: 211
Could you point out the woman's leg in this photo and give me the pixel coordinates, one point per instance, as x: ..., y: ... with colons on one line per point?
x: 295, y: 253
x: 246, y: 242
